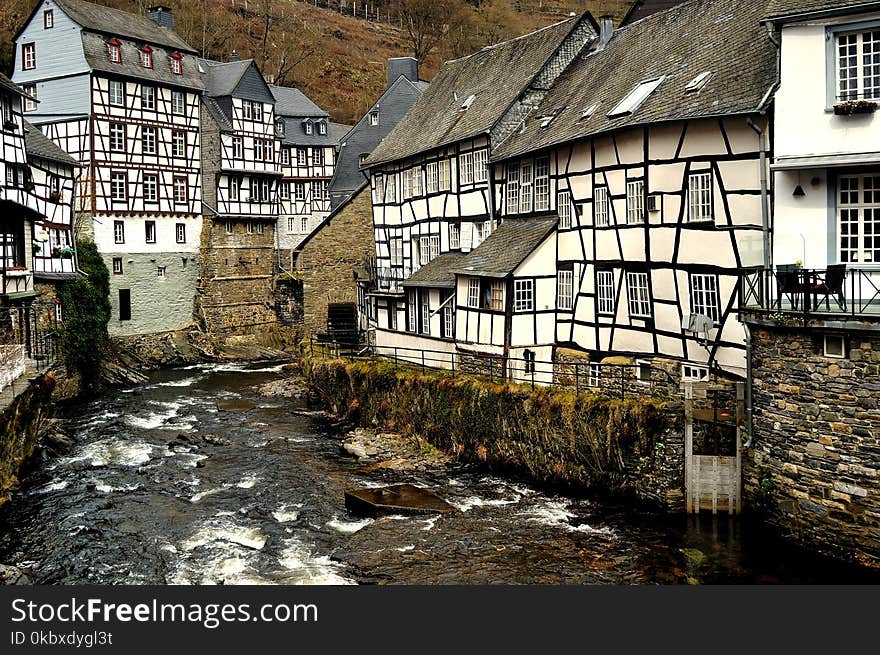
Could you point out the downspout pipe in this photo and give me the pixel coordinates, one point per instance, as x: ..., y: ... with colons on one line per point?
x: 765, y: 207
x: 749, y: 406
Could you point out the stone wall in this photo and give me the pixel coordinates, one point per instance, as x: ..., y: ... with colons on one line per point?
x: 813, y: 465
x: 327, y: 261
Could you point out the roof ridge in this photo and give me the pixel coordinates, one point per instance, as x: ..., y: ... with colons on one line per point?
x: 492, y: 46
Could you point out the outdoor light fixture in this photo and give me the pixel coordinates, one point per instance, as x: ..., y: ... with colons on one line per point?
x: 799, y: 191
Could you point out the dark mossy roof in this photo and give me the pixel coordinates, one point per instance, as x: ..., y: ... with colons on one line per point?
x: 783, y: 8
x: 38, y: 145
x: 438, y: 273
x: 722, y: 37
x: 506, y: 248
x: 115, y: 22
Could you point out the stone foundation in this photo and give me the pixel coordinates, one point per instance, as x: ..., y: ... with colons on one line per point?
x: 813, y: 465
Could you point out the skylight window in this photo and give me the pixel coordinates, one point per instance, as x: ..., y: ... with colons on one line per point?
x: 468, y: 102
x: 697, y: 84
x: 587, y: 113
x: 635, y: 98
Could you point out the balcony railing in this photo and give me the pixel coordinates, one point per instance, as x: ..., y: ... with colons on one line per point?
x: 833, y: 293
x: 53, y: 265
x: 391, y: 279
x: 16, y: 280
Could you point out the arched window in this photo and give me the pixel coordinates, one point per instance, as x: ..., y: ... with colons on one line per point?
x: 147, y: 57
x: 115, y: 49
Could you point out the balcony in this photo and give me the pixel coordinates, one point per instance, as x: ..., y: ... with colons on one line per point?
x: 53, y: 265
x: 391, y: 279
x: 835, y: 293
x: 15, y: 281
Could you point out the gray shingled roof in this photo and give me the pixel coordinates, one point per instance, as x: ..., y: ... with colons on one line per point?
x: 97, y: 56
x: 290, y: 101
x: 38, y: 145
x: 115, y: 22
x: 438, y: 273
x: 339, y: 130
x: 506, y: 248
x: 220, y: 77
x: 780, y: 8
x: 643, y: 8
x: 496, y: 76
x: 217, y: 113
x: 724, y: 37
x: 11, y: 86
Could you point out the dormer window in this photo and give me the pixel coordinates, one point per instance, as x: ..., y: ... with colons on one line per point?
x: 177, y: 63
x: 635, y: 98
x: 587, y: 113
x: 279, y: 128
x: 322, y: 128
x: 147, y: 57
x: 696, y: 85
x: 468, y: 102
x: 374, y: 118
x: 48, y: 19
x: 308, y: 128
x: 115, y: 49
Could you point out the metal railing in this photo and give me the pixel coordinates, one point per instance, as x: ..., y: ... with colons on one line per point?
x: 610, y: 379
x: 391, y: 279
x: 834, y: 292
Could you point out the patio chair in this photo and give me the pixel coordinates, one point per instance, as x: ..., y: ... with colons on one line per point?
x: 789, y: 283
x: 832, y: 285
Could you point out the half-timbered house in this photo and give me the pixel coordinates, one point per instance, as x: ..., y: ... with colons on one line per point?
x: 432, y: 197
x: 308, y: 159
x: 242, y: 170
x: 121, y: 93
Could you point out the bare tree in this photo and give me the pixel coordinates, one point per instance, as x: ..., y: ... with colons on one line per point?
x: 428, y: 22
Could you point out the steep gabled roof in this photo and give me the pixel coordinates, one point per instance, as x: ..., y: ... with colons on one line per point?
x: 115, y: 22
x: 221, y: 78
x: 12, y: 87
x: 290, y: 101
x: 778, y: 9
x: 506, y: 248
x: 492, y: 79
x: 643, y: 8
x: 38, y: 145
x: 724, y: 38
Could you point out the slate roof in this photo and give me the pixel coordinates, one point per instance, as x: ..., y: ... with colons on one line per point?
x: 339, y: 130
x: 363, y: 137
x: 780, y: 8
x: 438, y: 273
x: 643, y: 8
x: 506, y: 248
x: 217, y: 113
x: 12, y: 87
x: 496, y: 75
x: 724, y: 37
x: 38, y: 145
x: 97, y: 56
x: 115, y: 22
x: 290, y: 101
x: 220, y: 77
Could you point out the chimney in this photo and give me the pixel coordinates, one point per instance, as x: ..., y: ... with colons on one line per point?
x: 233, y: 57
x: 606, y: 30
x: 406, y: 66
x: 162, y: 16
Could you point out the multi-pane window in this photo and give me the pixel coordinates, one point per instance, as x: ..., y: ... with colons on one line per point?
x: 284, y: 190
x: 161, y: 270
x: 426, y: 312
x: 115, y: 50
x: 635, y: 201
x: 601, y: 208
x: 563, y: 208
x: 704, y: 295
x: 178, y: 144
x: 444, y: 182
x: 48, y: 19
x: 147, y: 57
x: 229, y: 227
x: 148, y: 97
x: 54, y: 185
x: 639, y: 298
x: 448, y: 318
x: 118, y: 183
x: 249, y: 227
x: 564, y: 289
x: 542, y: 184
x: 151, y: 187
x: 117, y: 265
x: 412, y: 182
x: 177, y: 63
x: 481, y: 165
x: 234, y: 188
x: 322, y: 128
x: 150, y: 231
x: 291, y: 225
x: 411, y: 311
x: 473, y: 297
x: 594, y: 376
x: 258, y: 150
x: 512, y: 188
x: 523, y: 295
x: 429, y: 248
x: 180, y: 232
x: 148, y: 140
x: 28, y: 56
x: 432, y: 176
x: 454, y: 236
x: 374, y: 118
x: 525, y: 187
x: 391, y: 188
x: 304, y: 225
x: 180, y: 189
x: 247, y: 109
x: 119, y: 236
x: 466, y: 168
x: 30, y: 100
x: 317, y: 156
x: 178, y: 102
x: 321, y: 190
x: 700, y: 197
x: 302, y: 155
x: 258, y: 111
x: 117, y: 93
x: 858, y: 212
x: 496, y: 295
x: 396, y: 251
x: 858, y: 65
x: 299, y: 190
x: 285, y: 156
x: 117, y: 137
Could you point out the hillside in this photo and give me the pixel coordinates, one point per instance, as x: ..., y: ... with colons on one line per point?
x: 337, y: 60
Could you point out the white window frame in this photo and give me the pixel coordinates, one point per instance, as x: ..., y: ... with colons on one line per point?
x: 466, y: 168
x: 455, y: 236
x: 635, y: 202
x: 234, y: 188
x: 148, y: 140
x: 565, y: 289
x: 563, y: 209
x: 151, y: 187
x: 374, y: 118
x: 594, y: 376
x: 694, y: 372
x: 855, y: 53
x: 858, y: 218
x: 425, y: 307
x: 117, y: 137
x: 700, y: 197
x: 601, y: 207
x: 704, y: 294
x: 247, y: 109
x: 299, y: 191
x: 448, y: 319
x: 150, y: 231
x: 178, y: 143
x: 643, y: 371
x: 28, y: 56
x: 412, y: 308
x: 148, y: 97
x: 291, y: 225
x: 523, y: 296
x: 180, y: 189
x: 395, y: 251
x: 473, y: 298
x: 48, y: 19
x: 302, y: 157
x: 512, y: 189
x: 834, y: 353
x: 638, y: 294
x: 542, y: 184
x: 178, y: 102
x: 481, y: 165
x: 444, y: 177
x: 118, y: 232
x: 304, y: 225
x: 526, y: 187
x: 605, y: 292
x: 432, y: 177
x: 30, y: 101
x: 118, y: 186
x: 117, y: 265
x: 634, y: 99
x: 180, y: 232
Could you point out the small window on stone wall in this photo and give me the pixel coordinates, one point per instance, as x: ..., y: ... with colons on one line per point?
x: 835, y: 346
x: 643, y: 371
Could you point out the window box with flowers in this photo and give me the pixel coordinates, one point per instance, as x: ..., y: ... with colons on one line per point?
x: 855, y: 107
x: 66, y: 252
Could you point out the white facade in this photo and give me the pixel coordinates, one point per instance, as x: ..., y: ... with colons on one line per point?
x: 304, y: 192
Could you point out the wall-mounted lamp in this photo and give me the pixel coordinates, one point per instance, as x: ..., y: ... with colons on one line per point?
x: 799, y: 191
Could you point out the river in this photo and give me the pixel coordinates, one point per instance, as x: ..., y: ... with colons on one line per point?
x: 132, y: 503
